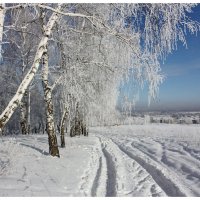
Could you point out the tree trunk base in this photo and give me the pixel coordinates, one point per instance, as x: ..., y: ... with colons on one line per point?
x: 62, y: 137
x: 53, y: 147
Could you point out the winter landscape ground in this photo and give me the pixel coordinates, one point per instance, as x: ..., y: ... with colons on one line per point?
x: 130, y: 160
x: 69, y: 69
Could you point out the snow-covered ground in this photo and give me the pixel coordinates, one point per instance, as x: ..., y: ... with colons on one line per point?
x: 137, y: 160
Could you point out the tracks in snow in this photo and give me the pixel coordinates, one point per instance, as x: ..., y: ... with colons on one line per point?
x: 166, y: 184
x: 123, y: 175
x: 103, y: 172
x: 130, y: 172
x: 111, y: 175
x: 96, y: 180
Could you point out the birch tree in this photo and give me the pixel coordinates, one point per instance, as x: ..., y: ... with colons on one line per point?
x: 129, y: 30
x: 2, y: 13
x: 14, y: 103
x: 23, y: 38
x: 53, y: 146
x: 102, y: 46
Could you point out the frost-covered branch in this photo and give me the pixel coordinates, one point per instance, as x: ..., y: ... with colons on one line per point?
x: 14, y: 103
x: 56, y: 82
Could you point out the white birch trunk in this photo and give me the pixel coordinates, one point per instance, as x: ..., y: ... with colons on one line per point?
x: 15, y: 101
x: 53, y: 146
x: 2, y: 14
x: 24, y: 114
x: 62, y: 126
x: 29, y: 112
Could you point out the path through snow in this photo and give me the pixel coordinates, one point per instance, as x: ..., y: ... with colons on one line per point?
x: 148, y: 160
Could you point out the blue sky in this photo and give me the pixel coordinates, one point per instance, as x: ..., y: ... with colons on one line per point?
x: 181, y: 89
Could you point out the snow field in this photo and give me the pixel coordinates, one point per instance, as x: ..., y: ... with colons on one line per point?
x: 169, y: 153
x: 141, y: 160
x: 32, y: 172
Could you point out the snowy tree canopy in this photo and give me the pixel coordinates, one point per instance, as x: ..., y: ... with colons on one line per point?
x: 84, y: 52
